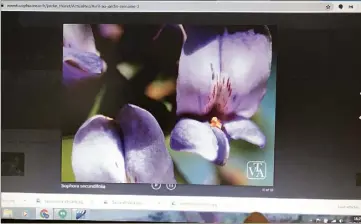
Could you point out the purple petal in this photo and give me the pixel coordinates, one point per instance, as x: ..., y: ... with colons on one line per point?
x: 196, y: 69
x: 80, y: 57
x: 223, y: 145
x: 74, y: 71
x: 87, y: 62
x: 146, y: 156
x: 246, y: 61
x: 241, y: 128
x: 79, y: 37
x: 196, y: 137
x: 229, y: 71
x: 97, y: 152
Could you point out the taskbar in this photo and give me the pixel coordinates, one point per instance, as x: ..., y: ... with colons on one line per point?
x: 82, y: 214
x: 138, y: 207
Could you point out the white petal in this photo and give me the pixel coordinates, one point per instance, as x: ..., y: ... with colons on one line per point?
x: 245, y: 129
x: 79, y: 37
x: 246, y: 60
x: 193, y: 136
x: 147, y: 159
x: 198, y: 64
x: 97, y: 152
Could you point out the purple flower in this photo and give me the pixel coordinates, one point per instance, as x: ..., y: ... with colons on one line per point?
x: 222, y: 80
x: 80, y: 57
x: 130, y: 148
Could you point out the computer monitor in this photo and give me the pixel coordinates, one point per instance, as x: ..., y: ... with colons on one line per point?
x: 181, y: 112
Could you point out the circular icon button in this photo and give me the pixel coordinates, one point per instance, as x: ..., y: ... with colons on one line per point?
x: 171, y: 187
x: 62, y: 213
x: 44, y: 214
x: 156, y: 186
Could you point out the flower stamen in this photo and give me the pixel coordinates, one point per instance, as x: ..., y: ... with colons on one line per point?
x: 215, y: 122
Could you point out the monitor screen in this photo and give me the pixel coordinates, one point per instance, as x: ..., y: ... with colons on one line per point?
x: 181, y: 112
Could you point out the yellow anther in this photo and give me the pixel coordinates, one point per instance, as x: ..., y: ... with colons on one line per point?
x: 215, y: 122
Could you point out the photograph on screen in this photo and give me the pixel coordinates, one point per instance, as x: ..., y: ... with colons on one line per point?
x: 12, y: 164
x: 176, y: 104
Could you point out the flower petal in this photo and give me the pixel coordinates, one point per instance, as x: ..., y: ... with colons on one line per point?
x: 74, y: 70
x: 86, y: 61
x: 79, y: 65
x: 223, y: 146
x: 196, y: 137
x: 241, y: 128
x: 79, y: 37
x: 80, y: 57
x: 198, y: 66
x: 147, y: 159
x: 246, y: 61
x: 223, y: 70
x: 97, y: 152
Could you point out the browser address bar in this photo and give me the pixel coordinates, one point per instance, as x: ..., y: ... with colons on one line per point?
x: 168, y: 6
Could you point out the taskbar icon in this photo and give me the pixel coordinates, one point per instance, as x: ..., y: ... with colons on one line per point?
x: 80, y: 214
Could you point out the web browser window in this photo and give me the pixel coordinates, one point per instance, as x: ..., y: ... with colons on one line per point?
x: 181, y: 112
